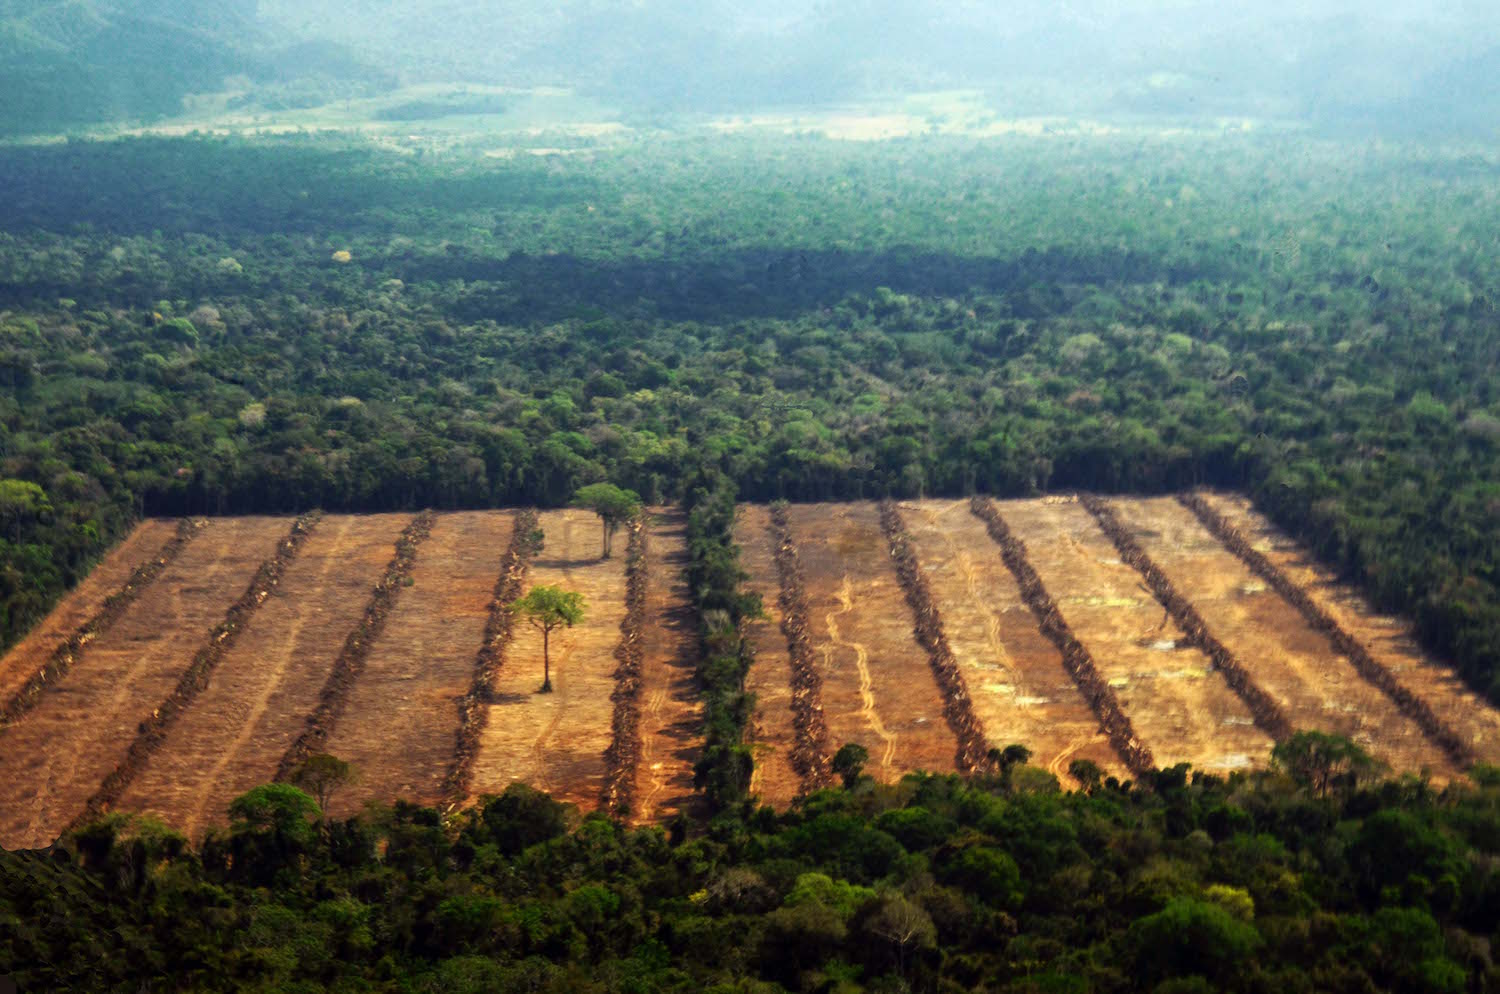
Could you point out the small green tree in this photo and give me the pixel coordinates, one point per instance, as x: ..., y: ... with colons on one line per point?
x: 849, y: 762
x: 321, y: 775
x: 1320, y: 761
x: 613, y: 505
x: 547, y: 609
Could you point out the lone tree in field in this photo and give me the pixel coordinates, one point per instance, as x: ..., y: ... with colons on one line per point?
x: 321, y: 775
x: 549, y: 608
x: 613, y: 505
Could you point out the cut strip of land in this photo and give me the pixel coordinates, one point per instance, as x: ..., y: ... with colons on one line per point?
x: 261, y: 693
x: 82, y: 603
x: 1015, y: 675
x: 1181, y: 709
x: 1388, y: 640
x: 55, y: 757
x: 772, y: 732
x: 671, y: 710
x: 878, y: 689
x: 556, y: 742
x: 400, y: 723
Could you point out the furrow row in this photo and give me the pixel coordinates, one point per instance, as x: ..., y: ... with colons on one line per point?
x: 810, y: 755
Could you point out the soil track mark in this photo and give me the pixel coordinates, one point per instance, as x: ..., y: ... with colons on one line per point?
x: 57, y: 755
x: 263, y: 690
x: 55, y: 645
x: 557, y: 742
x: 773, y: 728
x: 1015, y: 675
x: 853, y: 585
x: 1380, y: 649
x: 402, y: 718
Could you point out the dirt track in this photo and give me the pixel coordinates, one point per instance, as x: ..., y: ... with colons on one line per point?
x: 1183, y: 711
x: 236, y: 732
x: 878, y: 689
x: 1015, y: 676
x: 556, y: 742
x: 56, y: 756
x: 1387, y: 639
x: 772, y: 733
x: 400, y: 724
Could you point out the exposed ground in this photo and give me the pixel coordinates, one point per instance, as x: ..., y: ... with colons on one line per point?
x: 401, y: 721
x: 1182, y: 710
x: 671, y: 712
x: 556, y: 742
x: 1387, y: 639
x: 55, y: 758
x: 878, y: 689
x: 32, y: 652
x: 1015, y: 676
x: 772, y: 733
x: 233, y: 736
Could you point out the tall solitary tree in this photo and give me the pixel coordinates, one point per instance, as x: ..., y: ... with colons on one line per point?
x: 548, y: 609
x: 613, y: 505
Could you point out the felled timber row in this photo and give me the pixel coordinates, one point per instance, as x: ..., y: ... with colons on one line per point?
x: 810, y: 756
x: 1263, y: 708
x: 958, y: 708
x: 66, y: 655
x: 351, y: 661
x: 624, y: 752
x: 1372, y: 670
x: 474, y: 713
x: 153, y: 731
x: 1076, y: 659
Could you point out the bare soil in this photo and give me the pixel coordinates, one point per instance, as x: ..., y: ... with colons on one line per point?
x: 1389, y: 640
x: 261, y: 693
x: 57, y: 755
x: 556, y: 742
x: 878, y: 688
x: 400, y: 725
x: 671, y: 709
x: 772, y: 731
x: 1015, y: 675
x: 1182, y: 710
x: 32, y: 652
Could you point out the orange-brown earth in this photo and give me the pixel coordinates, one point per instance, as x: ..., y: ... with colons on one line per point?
x: 260, y: 694
x: 400, y: 724
x: 1014, y: 674
x: 1182, y: 710
x: 671, y: 711
x: 1387, y: 639
x: 556, y: 742
x: 772, y: 733
x: 878, y: 688
x: 54, y: 759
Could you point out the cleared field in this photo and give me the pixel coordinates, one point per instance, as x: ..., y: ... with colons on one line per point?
x: 1182, y: 710
x: 772, y: 730
x: 1316, y: 687
x: 400, y: 724
x: 556, y: 742
x: 232, y: 737
x: 878, y: 689
x: 56, y: 756
x: 1387, y: 639
x: 31, y: 653
x: 671, y: 713
x: 1015, y: 676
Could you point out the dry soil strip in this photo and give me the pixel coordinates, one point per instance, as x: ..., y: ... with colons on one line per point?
x: 474, y: 711
x: 153, y: 731
x: 624, y: 753
x: 1368, y: 667
x: 351, y: 661
x: 65, y: 656
x: 958, y: 709
x: 1263, y: 708
x: 810, y: 755
x: 1076, y: 658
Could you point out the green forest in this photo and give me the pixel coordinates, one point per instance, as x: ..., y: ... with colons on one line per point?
x: 224, y: 326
